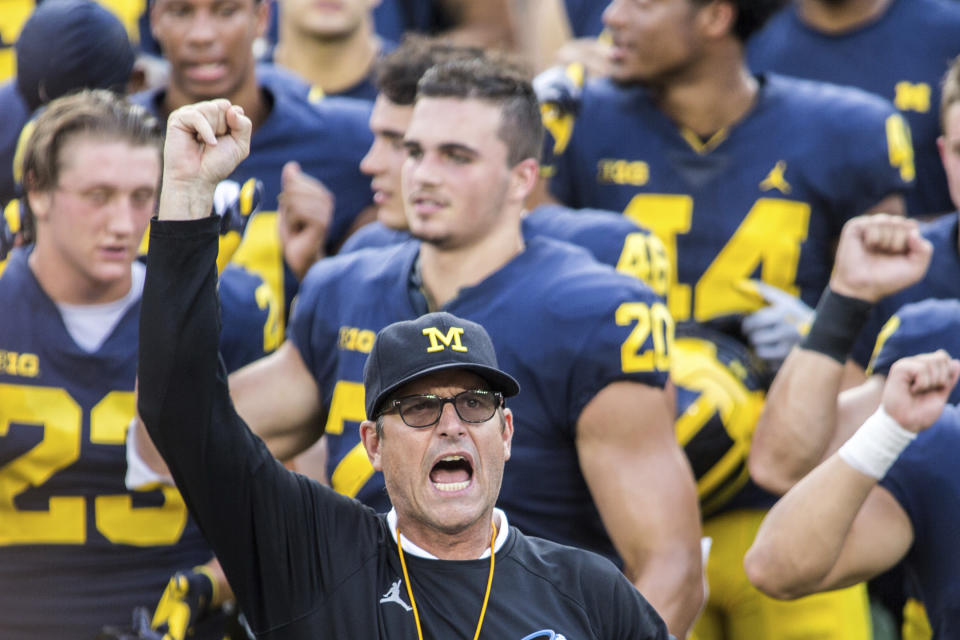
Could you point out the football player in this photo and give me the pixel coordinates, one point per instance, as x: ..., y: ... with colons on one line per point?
x: 877, y: 500
x: 333, y: 48
x: 209, y: 46
x: 872, y: 45
x: 599, y: 342
x: 807, y: 417
x: 77, y: 549
x: 742, y: 176
x: 940, y: 280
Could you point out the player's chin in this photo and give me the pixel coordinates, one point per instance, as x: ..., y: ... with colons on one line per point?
x: 433, y: 237
x: 625, y: 74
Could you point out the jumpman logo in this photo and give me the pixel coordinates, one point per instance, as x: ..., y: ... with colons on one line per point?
x: 393, y: 595
x: 775, y: 179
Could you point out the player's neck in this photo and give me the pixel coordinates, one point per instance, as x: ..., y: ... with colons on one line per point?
x: 248, y: 95
x: 445, y: 271
x: 707, y: 102
x: 66, y: 285
x: 838, y: 17
x: 334, y: 65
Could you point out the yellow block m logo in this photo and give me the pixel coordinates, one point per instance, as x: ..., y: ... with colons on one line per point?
x: 912, y: 97
x: 450, y: 339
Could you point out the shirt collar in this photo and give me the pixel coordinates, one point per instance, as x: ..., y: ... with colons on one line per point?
x: 503, y: 530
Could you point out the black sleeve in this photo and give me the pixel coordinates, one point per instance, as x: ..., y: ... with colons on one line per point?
x: 256, y: 515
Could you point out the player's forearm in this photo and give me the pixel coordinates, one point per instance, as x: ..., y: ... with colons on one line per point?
x: 279, y: 400
x: 800, y: 414
x: 801, y: 538
x: 672, y: 581
x: 798, y: 420
x: 660, y: 546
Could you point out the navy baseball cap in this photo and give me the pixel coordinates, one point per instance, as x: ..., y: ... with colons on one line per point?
x: 405, y: 351
x: 68, y: 45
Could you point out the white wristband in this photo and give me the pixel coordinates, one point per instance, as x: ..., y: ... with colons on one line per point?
x: 875, y: 446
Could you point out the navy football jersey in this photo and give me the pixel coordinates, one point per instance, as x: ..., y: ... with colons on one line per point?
x: 365, y: 89
x: 585, y: 17
x: 328, y: 139
x: 940, y: 282
x: 766, y: 198
x: 609, y: 237
x: 564, y: 325
x: 921, y: 327
x: 393, y: 18
x: 250, y: 312
x: 375, y: 234
x: 15, y: 115
x: 925, y: 483
x: 900, y: 55
x: 77, y: 549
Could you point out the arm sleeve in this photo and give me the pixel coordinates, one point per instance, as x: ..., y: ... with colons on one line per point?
x: 630, y: 342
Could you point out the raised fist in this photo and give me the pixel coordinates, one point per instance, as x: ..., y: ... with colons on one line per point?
x: 205, y: 142
x: 917, y: 389
x: 304, y: 214
x: 878, y: 255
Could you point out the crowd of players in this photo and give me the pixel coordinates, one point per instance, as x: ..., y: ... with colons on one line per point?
x: 647, y: 263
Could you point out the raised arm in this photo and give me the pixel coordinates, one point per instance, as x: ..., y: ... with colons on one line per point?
x: 219, y: 466
x: 836, y: 527
x: 644, y: 490
x: 877, y: 255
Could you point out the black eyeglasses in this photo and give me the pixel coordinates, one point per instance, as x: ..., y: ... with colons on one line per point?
x: 424, y: 410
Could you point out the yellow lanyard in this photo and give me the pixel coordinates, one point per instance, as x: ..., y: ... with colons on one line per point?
x: 413, y: 603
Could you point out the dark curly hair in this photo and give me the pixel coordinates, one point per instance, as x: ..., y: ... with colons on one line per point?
x: 751, y: 14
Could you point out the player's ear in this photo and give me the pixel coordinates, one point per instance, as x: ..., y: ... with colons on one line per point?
x: 39, y: 200
x: 372, y: 440
x: 717, y: 19
x: 262, y: 7
x: 523, y: 178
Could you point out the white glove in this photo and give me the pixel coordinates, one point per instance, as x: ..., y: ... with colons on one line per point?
x: 775, y: 329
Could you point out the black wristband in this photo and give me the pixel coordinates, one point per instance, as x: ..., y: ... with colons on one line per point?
x: 836, y: 325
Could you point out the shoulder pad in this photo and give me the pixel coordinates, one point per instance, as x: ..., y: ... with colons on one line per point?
x: 11, y: 222
x: 235, y: 203
x: 561, y: 87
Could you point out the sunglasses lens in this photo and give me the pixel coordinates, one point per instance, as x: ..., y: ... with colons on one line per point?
x: 424, y: 410
x: 476, y: 406
x: 420, y: 411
